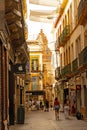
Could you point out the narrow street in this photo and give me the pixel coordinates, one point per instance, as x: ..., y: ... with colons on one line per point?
x: 40, y: 120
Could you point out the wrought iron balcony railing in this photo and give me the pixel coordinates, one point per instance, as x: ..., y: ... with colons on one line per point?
x: 83, y: 57
x: 75, y: 65
x: 64, y: 36
x: 66, y: 70
x: 82, y: 9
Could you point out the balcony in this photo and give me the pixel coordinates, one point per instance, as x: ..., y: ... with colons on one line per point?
x: 83, y: 57
x: 82, y: 12
x: 57, y: 73
x: 64, y: 36
x: 66, y: 71
x: 57, y: 44
x: 15, y: 26
x: 36, y: 68
x: 75, y: 65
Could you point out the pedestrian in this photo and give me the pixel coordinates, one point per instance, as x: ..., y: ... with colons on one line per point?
x: 73, y: 109
x: 46, y: 105
x: 40, y: 104
x: 66, y: 110
x: 56, y: 108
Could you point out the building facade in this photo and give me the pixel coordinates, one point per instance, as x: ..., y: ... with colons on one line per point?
x: 13, y: 51
x: 71, y: 28
x: 40, y: 68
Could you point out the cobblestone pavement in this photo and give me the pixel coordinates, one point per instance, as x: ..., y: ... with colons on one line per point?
x: 40, y: 120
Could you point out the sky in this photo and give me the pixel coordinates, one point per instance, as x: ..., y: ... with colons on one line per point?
x: 35, y: 27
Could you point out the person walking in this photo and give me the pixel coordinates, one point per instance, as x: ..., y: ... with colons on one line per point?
x: 40, y: 105
x: 56, y: 108
x: 66, y: 110
x: 46, y: 105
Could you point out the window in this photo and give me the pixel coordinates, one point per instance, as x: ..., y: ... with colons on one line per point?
x: 65, y: 20
x: 60, y: 30
x: 78, y: 46
x: 69, y: 54
x: 63, y: 24
x: 66, y: 57
x: 72, y: 52
x: 34, y: 83
x: 85, y: 38
x: 61, y: 60
x: 71, y: 20
x: 35, y: 64
x: 76, y: 11
x: 68, y: 17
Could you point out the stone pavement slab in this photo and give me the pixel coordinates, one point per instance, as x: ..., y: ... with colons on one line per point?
x: 40, y: 120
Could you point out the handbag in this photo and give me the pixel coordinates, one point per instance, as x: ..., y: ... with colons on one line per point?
x: 56, y: 107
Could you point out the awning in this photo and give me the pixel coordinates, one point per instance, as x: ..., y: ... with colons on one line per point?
x: 36, y: 92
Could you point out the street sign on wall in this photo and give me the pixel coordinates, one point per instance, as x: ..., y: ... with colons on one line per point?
x: 19, y: 68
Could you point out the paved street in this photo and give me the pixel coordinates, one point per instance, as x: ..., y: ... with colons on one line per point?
x: 39, y: 120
